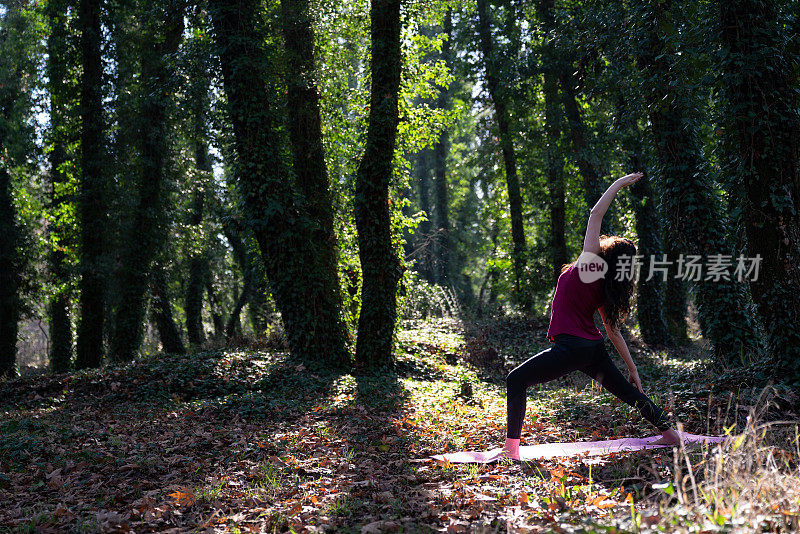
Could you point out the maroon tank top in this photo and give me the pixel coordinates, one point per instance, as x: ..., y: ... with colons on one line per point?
x: 573, y: 307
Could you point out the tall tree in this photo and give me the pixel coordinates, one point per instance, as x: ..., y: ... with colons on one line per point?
x: 19, y: 53
x: 284, y: 221
x: 9, y: 257
x: 499, y: 97
x: 695, y: 221
x: 215, y: 309
x: 9, y: 273
x: 763, y: 127
x: 9, y: 260
x: 305, y: 134
x: 146, y: 234
x: 92, y: 214
x: 59, y: 55
x: 379, y: 262
x: 198, y: 96
x: 554, y: 159
x: 198, y: 263
x: 440, y: 152
x: 649, y: 299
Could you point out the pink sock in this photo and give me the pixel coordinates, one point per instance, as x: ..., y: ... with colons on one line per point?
x: 512, y: 448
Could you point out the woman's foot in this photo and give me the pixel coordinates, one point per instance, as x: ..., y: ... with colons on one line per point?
x: 668, y: 437
x: 511, y: 449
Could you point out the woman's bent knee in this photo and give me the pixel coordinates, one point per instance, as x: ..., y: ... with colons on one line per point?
x: 514, y: 381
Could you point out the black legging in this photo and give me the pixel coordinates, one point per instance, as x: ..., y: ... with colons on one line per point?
x: 573, y: 353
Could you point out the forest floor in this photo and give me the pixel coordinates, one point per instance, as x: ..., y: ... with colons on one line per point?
x: 247, y: 440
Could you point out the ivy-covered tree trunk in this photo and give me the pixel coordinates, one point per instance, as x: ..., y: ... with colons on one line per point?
x: 380, y: 266
x: 147, y: 233
x: 168, y: 331
x: 286, y: 224
x: 440, y: 152
x: 58, y: 58
x: 763, y: 130
x: 649, y: 293
x: 498, y: 96
x: 649, y: 299
x: 308, y: 152
x: 552, y: 127
x: 92, y: 214
x: 198, y: 265
x: 696, y: 223
x: 199, y: 103
x: 676, y: 294
x: 9, y: 268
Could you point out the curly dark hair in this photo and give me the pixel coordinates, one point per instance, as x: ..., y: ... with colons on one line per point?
x: 616, y: 293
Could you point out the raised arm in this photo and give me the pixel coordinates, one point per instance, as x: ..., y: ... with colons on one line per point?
x: 591, y: 242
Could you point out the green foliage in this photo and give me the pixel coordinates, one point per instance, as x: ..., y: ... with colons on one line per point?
x: 20, y: 41
x: 423, y: 300
x: 583, y: 102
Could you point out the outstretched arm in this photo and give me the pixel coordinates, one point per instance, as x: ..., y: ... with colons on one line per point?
x: 619, y: 342
x: 669, y: 436
x: 591, y: 242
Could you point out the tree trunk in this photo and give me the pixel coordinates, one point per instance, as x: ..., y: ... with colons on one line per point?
x: 592, y: 178
x: 649, y: 301
x: 214, y: 307
x: 57, y: 68
x: 234, y: 324
x: 198, y: 259
x: 424, y: 248
x: 440, y: 151
x: 259, y: 308
x: 162, y: 311
x: 311, y: 173
x: 9, y: 272
x: 287, y: 225
x: 246, y: 261
x: 696, y: 223
x: 676, y: 296
x: 554, y: 159
x: 92, y: 215
x: 498, y: 97
x: 763, y: 137
x: 380, y: 266
x: 146, y: 235
x: 198, y: 266
x: 441, y: 249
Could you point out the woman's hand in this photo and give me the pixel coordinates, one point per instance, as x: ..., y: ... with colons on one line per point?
x: 630, y: 179
x: 633, y: 378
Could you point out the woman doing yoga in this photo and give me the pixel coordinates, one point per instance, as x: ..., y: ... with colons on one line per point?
x: 588, y: 284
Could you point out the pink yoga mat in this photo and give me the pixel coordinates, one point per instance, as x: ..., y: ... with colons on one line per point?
x: 589, y: 448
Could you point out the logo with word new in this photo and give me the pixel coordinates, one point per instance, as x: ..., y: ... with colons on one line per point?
x: 591, y: 267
